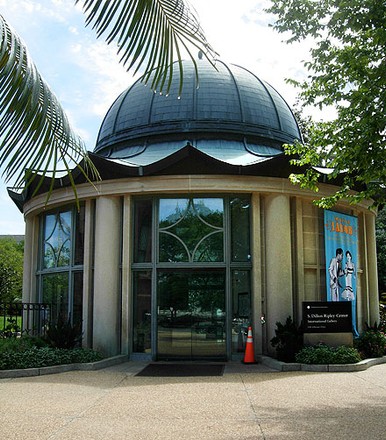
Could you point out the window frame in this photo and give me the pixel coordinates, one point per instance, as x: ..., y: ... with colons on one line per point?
x: 72, y: 269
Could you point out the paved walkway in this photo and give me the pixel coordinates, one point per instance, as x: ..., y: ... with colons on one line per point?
x: 248, y: 402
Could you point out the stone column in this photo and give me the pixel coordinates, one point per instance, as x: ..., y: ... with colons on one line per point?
x: 88, y: 273
x: 31, y: 245
x: 371, y: 268
x: 278, y: 264
x: 257, y: 282
x: 127, y: 297
x: 107, y: 291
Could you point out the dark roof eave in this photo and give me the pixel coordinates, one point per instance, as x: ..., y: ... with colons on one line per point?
x: 187, y: 160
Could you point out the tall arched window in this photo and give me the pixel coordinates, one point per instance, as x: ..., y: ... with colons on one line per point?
x: 60, y: 271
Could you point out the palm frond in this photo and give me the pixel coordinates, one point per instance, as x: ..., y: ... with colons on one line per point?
x: 149, y: 34
x: 35, y: 134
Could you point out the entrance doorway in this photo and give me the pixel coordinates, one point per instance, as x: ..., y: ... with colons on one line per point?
x: 191, y: 277
x: 191, y: 318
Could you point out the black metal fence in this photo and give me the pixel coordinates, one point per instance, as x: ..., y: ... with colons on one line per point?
x: 17, y: 319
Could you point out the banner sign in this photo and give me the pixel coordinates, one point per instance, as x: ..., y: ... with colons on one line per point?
x: 341, y: 244
x: 327, y: 317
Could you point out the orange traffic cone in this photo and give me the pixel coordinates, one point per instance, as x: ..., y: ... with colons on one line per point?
x: 249, y: 356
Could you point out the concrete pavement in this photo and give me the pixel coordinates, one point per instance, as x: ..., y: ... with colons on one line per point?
x: 247, y: 402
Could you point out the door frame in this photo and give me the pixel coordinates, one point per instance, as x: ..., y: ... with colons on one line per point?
x: 192, y: 357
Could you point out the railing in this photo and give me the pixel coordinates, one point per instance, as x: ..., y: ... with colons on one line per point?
x: 18, y: 319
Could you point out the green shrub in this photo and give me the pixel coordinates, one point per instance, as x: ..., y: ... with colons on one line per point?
x: 21, y: 344
x: 371, y: 344
x: 323, y: 354
x: 382, y: 317
x: 288, y: 340
x: 63, y: 334
x: 24, y: 353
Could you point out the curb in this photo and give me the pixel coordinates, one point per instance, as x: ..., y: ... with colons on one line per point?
x: 346, y: 368
x: 54, y: 369
x: 264, y: 360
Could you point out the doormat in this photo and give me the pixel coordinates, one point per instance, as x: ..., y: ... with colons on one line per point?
x: 181, y: 370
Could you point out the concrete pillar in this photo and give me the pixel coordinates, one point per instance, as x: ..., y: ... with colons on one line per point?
x: 257, y: 282
x: 87, y: 274
x: 107, y: 291
x: 371, y: 268
x: 31, y: 245
x: 127, y: 297
x: 278, y: 264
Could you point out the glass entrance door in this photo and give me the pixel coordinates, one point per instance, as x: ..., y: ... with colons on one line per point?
x: 191, y: 318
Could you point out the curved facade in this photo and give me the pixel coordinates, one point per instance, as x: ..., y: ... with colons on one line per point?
x: 195, y: 231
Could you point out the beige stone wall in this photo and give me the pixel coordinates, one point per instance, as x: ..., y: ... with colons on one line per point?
x: 278, y: 261
x: 287, y: 251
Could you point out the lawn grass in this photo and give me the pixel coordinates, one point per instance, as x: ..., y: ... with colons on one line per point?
x: 10, y: 322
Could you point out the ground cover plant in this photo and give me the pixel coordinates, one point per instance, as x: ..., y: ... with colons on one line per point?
x: 372, y: 342
x: 323, y: 354
x: 34, y: 352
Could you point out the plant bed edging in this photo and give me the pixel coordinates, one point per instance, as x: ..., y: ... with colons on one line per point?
x: 283, y: 366
x: 54, y: 369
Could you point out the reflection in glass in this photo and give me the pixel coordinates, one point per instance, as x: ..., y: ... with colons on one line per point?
x: 240, y: 229
x: 191, y: 315
x: 61, y: 274
x: 142, y: 312
x: 142, y: 231
x: 241, y: 309
x: 79, y: 236
x: 57, y: 240
x: 172, y: 210
x: 191, y: 230
x: 77, y: 306
x: 55, y: 293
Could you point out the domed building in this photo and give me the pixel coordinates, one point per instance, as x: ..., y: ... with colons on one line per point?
x: 194, y: 232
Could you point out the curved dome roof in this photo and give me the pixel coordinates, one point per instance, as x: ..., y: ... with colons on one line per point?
x: 230, y: 115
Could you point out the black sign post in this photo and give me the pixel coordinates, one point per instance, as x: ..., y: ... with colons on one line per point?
x: 327, y: 317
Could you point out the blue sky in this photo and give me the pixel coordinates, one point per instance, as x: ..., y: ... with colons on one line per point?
x: 86, y: 76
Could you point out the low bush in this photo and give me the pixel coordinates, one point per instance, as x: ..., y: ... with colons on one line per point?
x: 382, y: 317
x: 21, y: 344
x: 35, y: 353
x: 371, y: 343
x: 323, y: 354
x: 64, y: 334
x: 288, y: 340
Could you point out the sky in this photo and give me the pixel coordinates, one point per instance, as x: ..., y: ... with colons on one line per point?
x: 85, y: 74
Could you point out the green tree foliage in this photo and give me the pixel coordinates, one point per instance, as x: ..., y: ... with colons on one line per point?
x: 346, y: 71
x: 11, y: 269
x: 381, y: 249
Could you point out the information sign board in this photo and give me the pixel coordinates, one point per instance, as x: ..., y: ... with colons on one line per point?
x: 327, y: 317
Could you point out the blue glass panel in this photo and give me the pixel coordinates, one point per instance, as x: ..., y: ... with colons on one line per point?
x: 191, y: 230
x: 57, y: 240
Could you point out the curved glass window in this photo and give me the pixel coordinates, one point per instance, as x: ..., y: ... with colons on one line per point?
x: 240, y: 230
x: 143, y: 231
x: 60, y: 274
x: 57, y: 240
x: 191, y: 230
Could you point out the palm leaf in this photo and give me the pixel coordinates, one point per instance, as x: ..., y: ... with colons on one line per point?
x: 35, y: 135
x: 150, y: 35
